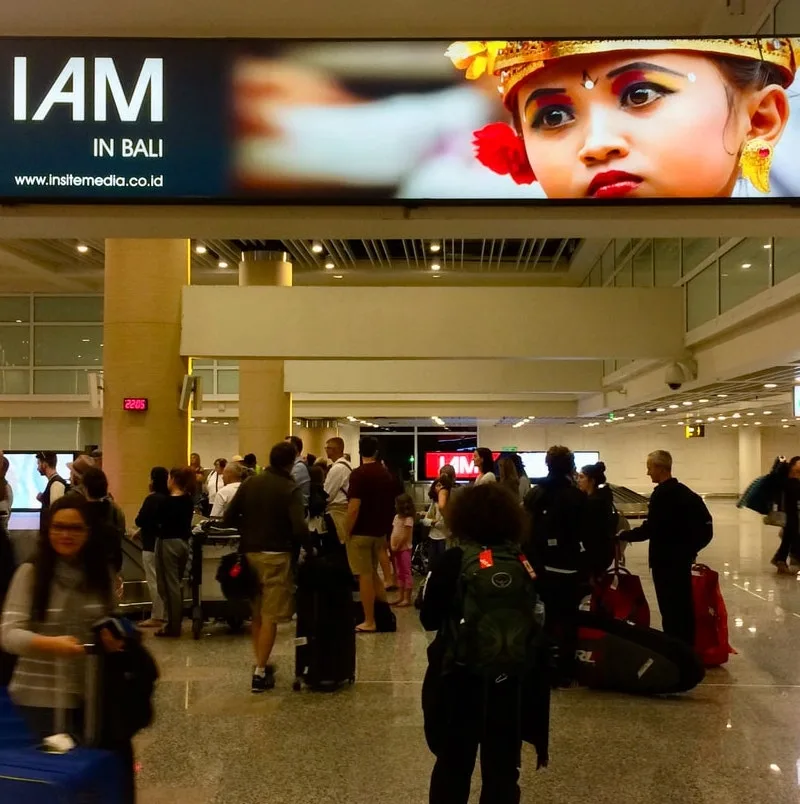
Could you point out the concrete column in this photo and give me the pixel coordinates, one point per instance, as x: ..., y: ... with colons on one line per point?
x: 749, y: 456
x: 315, y: 435
x: 265, y: 409
x: 141, y: 358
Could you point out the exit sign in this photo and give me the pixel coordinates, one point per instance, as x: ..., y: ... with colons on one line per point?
x: 695, y: 431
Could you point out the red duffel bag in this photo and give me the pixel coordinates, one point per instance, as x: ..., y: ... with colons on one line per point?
x: 619, y: 594
x: 711, y: 617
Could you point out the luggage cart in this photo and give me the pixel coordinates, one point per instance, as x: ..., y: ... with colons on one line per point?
x: 209, y: 543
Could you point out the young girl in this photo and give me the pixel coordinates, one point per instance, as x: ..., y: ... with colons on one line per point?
x: 635, y: 118
x: 402, y: 533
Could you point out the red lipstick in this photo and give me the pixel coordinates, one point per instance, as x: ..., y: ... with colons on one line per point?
x: 613, y: 184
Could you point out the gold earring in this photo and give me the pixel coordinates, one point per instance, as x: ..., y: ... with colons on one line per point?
x: 756, y: 163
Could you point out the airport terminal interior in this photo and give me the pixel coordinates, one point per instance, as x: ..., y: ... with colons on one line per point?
x: 145, y: 329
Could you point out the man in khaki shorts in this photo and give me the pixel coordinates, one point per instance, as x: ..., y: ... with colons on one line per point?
x: 269, y: 513
x: 369, y: 521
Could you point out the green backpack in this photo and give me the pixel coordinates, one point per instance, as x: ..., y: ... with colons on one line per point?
x: 496, y: 625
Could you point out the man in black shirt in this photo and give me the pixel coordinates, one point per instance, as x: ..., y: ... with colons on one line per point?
x: 678, y: 526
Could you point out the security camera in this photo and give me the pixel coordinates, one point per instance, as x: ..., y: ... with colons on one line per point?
x: 679, y: 373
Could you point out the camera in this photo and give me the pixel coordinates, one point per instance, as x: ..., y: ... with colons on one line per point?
x: 679, y: 373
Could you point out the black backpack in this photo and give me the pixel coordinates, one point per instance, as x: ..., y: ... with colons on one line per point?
x: 495, y: 628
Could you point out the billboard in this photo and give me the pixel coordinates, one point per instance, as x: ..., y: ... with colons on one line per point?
x: 26, y: 482
x: 269, y: 121
x: 464, y: 464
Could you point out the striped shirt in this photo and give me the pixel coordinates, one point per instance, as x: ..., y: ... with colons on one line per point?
x: 41, y: 679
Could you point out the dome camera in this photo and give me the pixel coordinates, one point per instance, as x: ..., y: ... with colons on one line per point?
x: 679, y: 373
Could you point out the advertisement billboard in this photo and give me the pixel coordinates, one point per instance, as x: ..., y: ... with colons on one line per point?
x: 268, y: 121
x: 463, y: 463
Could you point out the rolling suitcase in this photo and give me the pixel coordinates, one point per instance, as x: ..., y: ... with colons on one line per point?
x: 711, y: 617
x: 325, y: 657
x: 84, y: 774
x: 615, y: 655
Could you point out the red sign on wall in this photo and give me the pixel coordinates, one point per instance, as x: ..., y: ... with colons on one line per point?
x: 462, y: 462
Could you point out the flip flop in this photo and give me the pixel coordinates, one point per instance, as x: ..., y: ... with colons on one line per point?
x: 360, y: 630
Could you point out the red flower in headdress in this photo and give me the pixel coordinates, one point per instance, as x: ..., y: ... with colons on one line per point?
x: 501, y: 149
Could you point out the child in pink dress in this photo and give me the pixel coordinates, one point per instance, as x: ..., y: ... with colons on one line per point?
x: 402, y: 536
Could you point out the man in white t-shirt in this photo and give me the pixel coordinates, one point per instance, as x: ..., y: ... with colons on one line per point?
x: 337, y: 483
x: 233, y: 474
x: 216, y: 481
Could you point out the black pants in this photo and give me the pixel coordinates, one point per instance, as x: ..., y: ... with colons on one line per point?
x: 674, y: 592
x: 171, y: 558
x: 788, y: 546
x: 479, y: 716
x: 561, y: 595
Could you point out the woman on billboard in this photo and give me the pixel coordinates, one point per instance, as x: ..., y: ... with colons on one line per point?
x: 619, y: 119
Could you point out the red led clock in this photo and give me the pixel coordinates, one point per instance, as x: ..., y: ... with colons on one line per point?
x: 135, y: 403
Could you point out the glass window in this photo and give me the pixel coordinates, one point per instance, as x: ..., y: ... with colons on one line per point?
x: 199, y: 362
x: 787, y: 17
x: 228, y: 381
x: 231, y: 363
x: 68, y: 308
x: 623, y: 248
x: 697, y: 249
x: 667, y: 259
x: 643, y: 267
x: 701, y: 297
x: 786, y: 256
x: 14, y: 381
x: 60, y: 382
x: 596, y: 275
x: 743, y: 272
x: 608, y: 263
x: 14, y: 346
x: 624, y: 277
x: 207, y: 378
x: 68, y: 346
x: 15, y: 309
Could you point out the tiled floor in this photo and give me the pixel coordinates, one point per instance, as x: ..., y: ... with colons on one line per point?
x: 733, y: 739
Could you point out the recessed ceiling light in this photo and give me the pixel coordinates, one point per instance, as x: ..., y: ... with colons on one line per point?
x: 222, y: 264
x: 330, y: 265
x: 631, y: 415
x: 747, y: 265
x: 86, y: 340
x: 435, y: 247
x: 710, y: 419
x: 723, y: 418
x: 674, y: 407
x: 82, y: 248
x: 200, y: 249
x: 338, y: 276
x: 663, y: 425
x: 703, y: 401
x: 436, y: 267
x: 203, y: 421
x: 784, y: 420
x: 751, y: 414
x: 316, y: 247
x: 688, y: 404
x: 734, y: 425
x: 768, y: 413
x: 757, y: 423
x: 226, y: 423
x: 737, y: 415
x: 770, y: 385
x: 785, y: 426
x: 722, y: 396
x: 681, y: 424
x: 661, y: 410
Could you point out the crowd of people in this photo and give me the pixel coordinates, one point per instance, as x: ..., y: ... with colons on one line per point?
x: 563, y: 526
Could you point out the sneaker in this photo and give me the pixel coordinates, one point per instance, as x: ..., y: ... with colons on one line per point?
x: 782, y: 567
x: 263, y: 683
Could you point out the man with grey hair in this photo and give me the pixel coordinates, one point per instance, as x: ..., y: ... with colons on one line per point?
x: 233, y: 475
x: 678, y: 526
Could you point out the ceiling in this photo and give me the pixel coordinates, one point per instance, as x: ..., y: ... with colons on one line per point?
x: 344, y: 18
x: 57, y: 265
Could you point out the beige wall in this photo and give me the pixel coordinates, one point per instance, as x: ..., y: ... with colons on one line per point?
x: 548, y: 323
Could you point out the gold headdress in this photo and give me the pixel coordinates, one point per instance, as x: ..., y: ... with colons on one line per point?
x: 513, y: 61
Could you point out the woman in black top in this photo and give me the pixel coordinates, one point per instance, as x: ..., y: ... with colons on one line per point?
x: 462, y: 711
x: 148, y: 520
x: 172, y: 546
x: 601, y: 518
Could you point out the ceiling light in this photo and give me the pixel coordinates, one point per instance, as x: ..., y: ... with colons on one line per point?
x: 767, y: 245
x: 352, y: 419
x: 699, y: 421
x: 710, y: 419
x: 751, y: 414
x: 338, y: 276
x: 330, y: 265
x: 222, y: 264
x: 226, y: 423
x: 768, y: 413
x: 723, y: 418
x: 747, y: 265
x: 663, y: 425
x: 734, y: 425
x: 631, y: 415
x: 436, y: 267
x: 758, y: 423
x: 703, y: 401
x: 770, y: 385
x: 200, y: 249
x: 722, y: 396
x: 82, y: 248
x: 737, y: 415
x: 660, y: 410
x: 203, y: 421
x: 19, y: 320
x: 674, y: 407
x: 681, y: 424
x: 86, y: 340
x: 785, y: 426
x: 316, y: 247
x: 784, y: 420
x: 435, y: 247
x: 688, y: 404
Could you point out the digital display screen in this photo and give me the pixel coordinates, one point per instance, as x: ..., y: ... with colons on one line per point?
x: 136, y: 403
x: 594, y: 121
x: 25, y: 480
x: 464, y: 464
x: 796, y: 401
